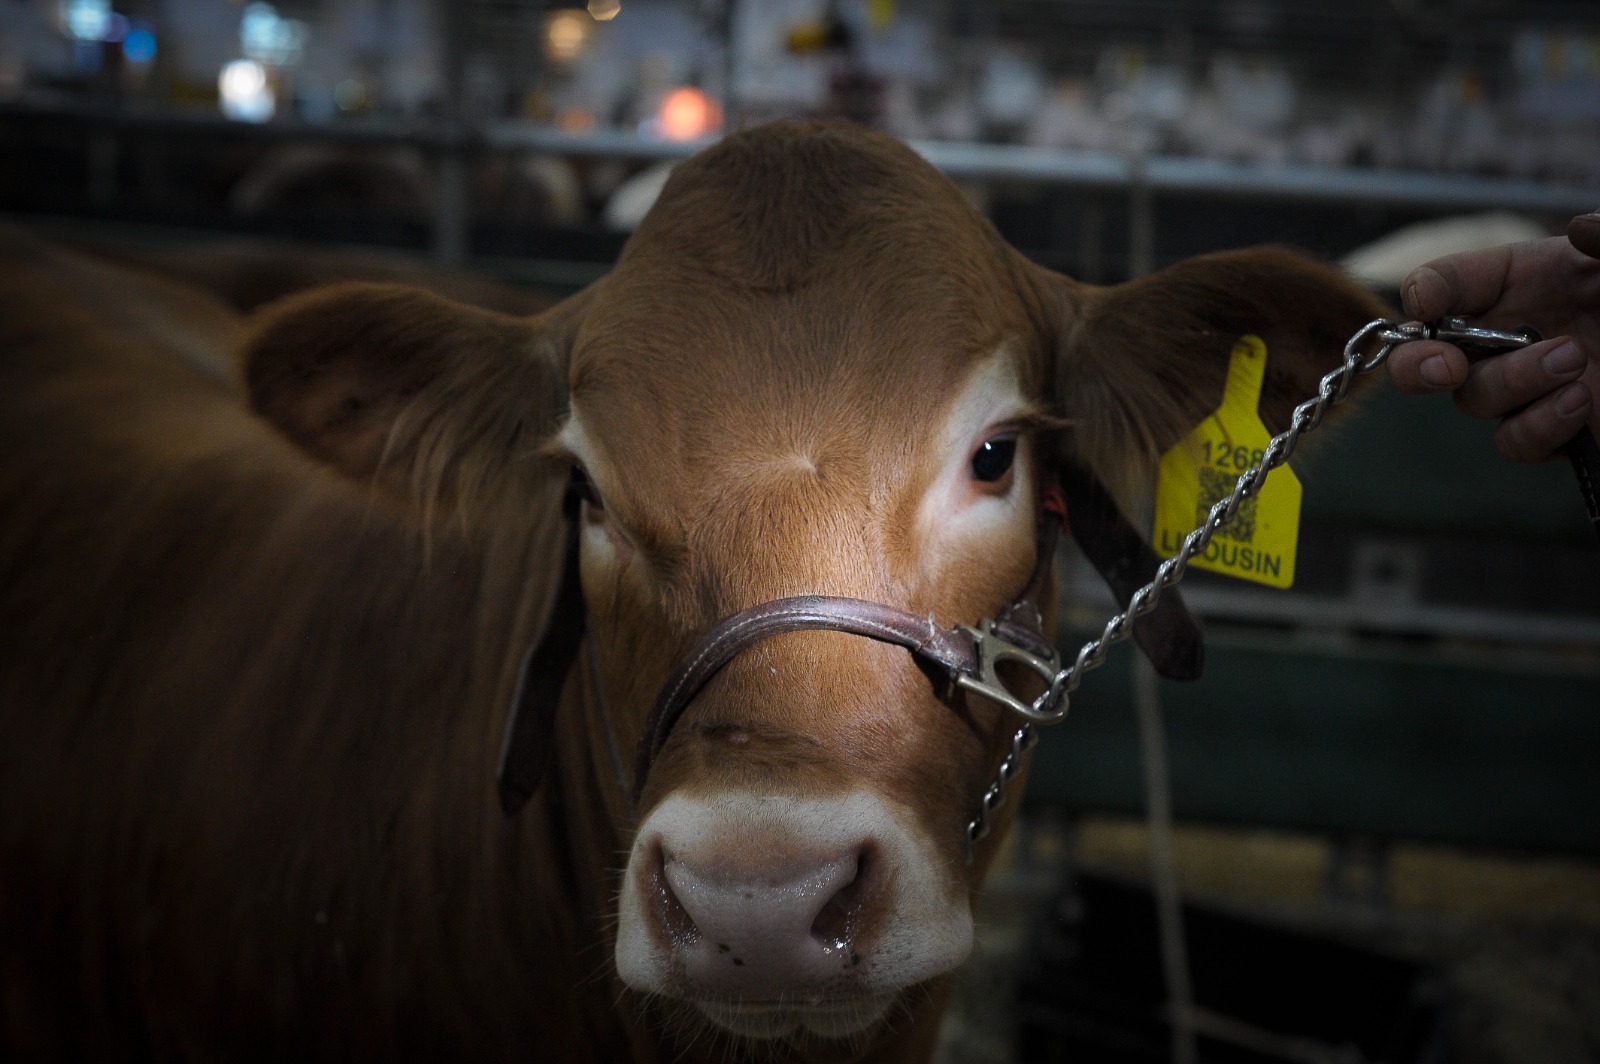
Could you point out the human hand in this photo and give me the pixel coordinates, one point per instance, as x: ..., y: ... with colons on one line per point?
x: 1545, y: 392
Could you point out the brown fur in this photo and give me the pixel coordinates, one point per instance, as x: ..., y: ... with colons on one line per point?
x: 249, y: 275
x: 264, y: 619
x: 241, y: 740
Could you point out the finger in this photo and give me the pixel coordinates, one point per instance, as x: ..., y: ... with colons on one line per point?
x: 1426, y: 366
x: 1465, y: 283
x: 1534, y: 434
x: 1497, y: 386
x: 1583, y: 233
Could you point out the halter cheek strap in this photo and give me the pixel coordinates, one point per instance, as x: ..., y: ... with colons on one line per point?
x: 525, y: 751
x: 1168, y: 635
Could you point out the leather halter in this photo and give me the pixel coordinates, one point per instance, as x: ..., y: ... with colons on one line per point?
x: 951, y: 655
x: 960, y: 657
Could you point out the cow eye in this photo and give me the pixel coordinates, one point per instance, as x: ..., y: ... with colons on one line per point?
x: 583, y: 490
x: 993, y: 459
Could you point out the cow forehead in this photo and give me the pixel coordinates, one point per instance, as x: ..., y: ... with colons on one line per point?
x: 806, y: 495
x: 684, y: 369
x: 804, y: 251
x: 794, y: 382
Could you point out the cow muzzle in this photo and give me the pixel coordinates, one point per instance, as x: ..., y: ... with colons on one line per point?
x: 776, y: 916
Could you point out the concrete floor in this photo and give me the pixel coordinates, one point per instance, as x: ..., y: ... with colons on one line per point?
x: 1517, y: 938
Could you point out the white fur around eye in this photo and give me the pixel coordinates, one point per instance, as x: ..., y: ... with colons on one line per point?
x: 959, y: 511
x: 608, y: 544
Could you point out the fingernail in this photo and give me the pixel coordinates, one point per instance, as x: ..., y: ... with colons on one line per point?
x: 1414, y: 299
x: 1571, y: 399
x: 1583, y: 233
x: 1408, y: 298
x: 1435, y: 371
x: 1563, y: 360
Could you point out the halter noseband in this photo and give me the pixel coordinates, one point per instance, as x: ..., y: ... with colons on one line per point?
x: 962, y: 657
x: 959, y: 658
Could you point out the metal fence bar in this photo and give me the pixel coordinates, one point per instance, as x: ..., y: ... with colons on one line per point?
x: 1217, y: 177
x: 1162, y: 175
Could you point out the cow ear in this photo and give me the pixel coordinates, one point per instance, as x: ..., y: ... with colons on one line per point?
x: 395, y: 386
x: 1141, y: 364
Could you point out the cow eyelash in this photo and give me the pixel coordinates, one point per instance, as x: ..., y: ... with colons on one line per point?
x: 992, y: 465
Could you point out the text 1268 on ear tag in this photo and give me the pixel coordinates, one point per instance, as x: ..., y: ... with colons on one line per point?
x: 1202, y: 469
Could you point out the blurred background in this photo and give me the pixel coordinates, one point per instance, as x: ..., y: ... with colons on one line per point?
x: 482, y: 128
x: 1385, y: 794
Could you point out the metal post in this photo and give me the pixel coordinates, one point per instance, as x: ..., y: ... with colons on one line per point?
x: 450, y: 219
x: 1163, y: 871
x: 1141, y: 219
x: 730, y: 105
x: 105, y: 159
x: 1091, y: 241
x: 450, y: 205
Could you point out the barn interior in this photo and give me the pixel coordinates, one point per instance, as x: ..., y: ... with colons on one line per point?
x: 1371, y: 832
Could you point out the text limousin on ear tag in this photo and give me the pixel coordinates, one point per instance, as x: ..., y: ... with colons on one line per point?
x: 1201, y: 470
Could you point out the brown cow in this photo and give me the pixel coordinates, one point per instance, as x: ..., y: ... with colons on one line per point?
x: 264, y: 622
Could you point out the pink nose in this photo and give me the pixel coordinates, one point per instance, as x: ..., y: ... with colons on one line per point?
x: 765, y: 925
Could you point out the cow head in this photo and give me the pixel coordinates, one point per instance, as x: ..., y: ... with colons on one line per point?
x: 815, y: 370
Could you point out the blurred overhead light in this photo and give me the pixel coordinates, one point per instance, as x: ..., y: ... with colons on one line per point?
x: 576, y: 120
x: 84, y: 20
x: 246, y: 91
x: 565, y: 32
x: 686, y: 114
x: 139, y: 45
x: 350, y: 95
x: 604, y: 10
x: 268, y: 38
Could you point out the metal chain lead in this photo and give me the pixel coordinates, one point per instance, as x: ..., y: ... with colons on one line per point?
x: 1051, y: 706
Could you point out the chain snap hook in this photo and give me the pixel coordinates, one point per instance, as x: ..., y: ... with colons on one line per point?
x: 992, y: 648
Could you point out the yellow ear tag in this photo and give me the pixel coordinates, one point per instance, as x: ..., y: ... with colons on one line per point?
x: 1202, y: 468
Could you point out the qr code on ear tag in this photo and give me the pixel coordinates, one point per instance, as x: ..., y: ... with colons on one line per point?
x: 1216, y: 486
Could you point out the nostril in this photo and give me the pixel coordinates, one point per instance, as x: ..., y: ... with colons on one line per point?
x: 839, y: 921
x: 835, y: 926
x: 670, y: 915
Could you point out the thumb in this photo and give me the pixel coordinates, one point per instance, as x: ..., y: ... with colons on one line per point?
x: 1583, y: 233
x: 1425, y: 294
